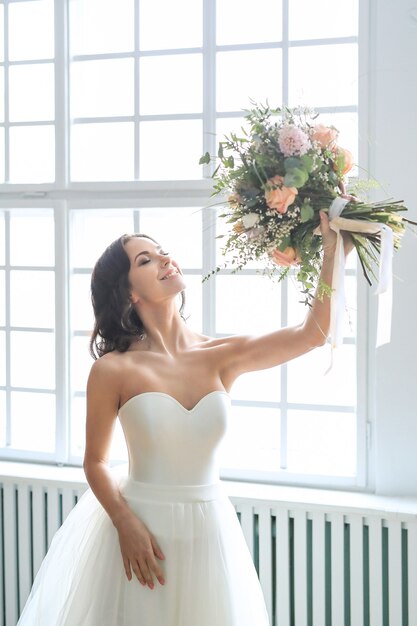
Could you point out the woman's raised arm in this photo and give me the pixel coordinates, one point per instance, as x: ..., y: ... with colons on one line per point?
x: 249, y: 353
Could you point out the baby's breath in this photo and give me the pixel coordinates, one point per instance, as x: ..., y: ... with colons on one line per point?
x: 287, y: 191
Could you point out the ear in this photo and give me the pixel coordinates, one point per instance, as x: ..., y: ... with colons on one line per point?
x: 134, y: 299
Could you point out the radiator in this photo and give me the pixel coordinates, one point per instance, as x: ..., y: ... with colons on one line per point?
x: 318, y: 566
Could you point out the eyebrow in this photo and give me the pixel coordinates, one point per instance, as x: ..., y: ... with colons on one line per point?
x: 145, y: 252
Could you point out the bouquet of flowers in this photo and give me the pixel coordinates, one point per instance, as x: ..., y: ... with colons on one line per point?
x: 278, y: 174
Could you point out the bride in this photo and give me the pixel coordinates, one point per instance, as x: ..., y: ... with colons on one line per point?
x: 162, y: 546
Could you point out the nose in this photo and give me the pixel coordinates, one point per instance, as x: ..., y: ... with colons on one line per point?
x: 165, y: 259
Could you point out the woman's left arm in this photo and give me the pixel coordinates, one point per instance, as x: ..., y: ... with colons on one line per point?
x: 247, y: 353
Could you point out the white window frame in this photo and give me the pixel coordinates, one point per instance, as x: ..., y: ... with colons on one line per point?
x: 64, y: 196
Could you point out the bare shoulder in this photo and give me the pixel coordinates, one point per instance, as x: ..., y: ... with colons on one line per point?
x: 104, y: 381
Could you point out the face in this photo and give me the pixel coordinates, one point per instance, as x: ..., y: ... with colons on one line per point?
x: 153, y: 274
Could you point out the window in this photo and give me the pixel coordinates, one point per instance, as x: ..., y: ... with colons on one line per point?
x: 103, y: 136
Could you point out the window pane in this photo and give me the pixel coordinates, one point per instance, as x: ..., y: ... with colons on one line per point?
x: 102, y: 152
x: 252, y: 440
x: 2, y: 240
x: 2, y: 173
x: 31, y: 90
x: 297, y: 311
x: 307, y: 383
x: 32, y: 237
x: 81, y: 309
x: 2, y: 90
x: 2, y: 357
x: 307, y: 86
x: 92, y: 231
x: 1, y: 31
x: 180, y: 76
x: 179, y: 231
x: 246, y: 75
x: 33, y: 360
x: 31, y: 30
x: 170, y: 150
x: 2, y: 418
x: 33, y: 421
x: 164, y: 25
x: 102, y: 88
x: 193, y: 310
x: 228, y: 125
x: 262, y: 386
x: 36, y: 289
x: 2, y: 299
x: 81, y: 363
x: 239, y: 22
x: 32, y: 154
x: 320, y: 442
x: 248, y: 304
x: 77, y: 425
x: 322, y: 19
x: 101, y: 26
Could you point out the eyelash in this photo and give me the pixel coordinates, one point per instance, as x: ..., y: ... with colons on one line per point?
x: 148, y: 260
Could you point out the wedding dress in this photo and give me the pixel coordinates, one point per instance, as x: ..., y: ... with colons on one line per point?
x: 173, y: 486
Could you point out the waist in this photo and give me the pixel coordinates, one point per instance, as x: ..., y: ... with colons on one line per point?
x: 142, y: 491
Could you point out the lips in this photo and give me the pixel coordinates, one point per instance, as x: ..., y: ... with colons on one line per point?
x: 170, y: 273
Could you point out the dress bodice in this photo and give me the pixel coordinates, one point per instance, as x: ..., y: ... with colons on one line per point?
x: 169, y: 444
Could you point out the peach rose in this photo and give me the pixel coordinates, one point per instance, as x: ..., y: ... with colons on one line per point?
x: 281, y: 197
x: 324, y: 135
x: 238, y: 227
x: 345, y: 158
x: 286, y: 258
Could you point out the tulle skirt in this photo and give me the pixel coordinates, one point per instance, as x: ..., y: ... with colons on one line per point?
x: 210, y: 579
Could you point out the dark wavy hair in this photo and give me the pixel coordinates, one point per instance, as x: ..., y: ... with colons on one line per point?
x: 116, y: 322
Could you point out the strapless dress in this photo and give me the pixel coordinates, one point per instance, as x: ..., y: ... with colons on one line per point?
x: 173, y: 486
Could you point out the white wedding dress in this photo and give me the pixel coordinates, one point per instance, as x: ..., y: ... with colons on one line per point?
x: 173, y: 486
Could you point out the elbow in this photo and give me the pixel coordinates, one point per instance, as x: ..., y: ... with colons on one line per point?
x: 314, y: 337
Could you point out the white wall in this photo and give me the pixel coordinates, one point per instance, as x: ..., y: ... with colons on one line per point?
x: 393, y: 162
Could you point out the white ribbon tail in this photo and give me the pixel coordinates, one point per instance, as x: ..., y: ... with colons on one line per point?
x: 384, y: 290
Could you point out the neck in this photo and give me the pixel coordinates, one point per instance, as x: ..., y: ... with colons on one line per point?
x: 165, y: 330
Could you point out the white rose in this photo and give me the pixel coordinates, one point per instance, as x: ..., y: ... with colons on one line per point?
x: 250, y: 220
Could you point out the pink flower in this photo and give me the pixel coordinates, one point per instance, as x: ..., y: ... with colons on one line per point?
x: 293, y: 141
x: 279, y: 197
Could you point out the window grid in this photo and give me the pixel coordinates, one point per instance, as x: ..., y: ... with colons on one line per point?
x: 64, y: 187
x: 9, y: 452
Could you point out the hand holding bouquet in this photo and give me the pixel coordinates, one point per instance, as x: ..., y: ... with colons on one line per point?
x: 278, y: 175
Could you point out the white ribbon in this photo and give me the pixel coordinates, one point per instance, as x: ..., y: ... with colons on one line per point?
x: 384, y: 291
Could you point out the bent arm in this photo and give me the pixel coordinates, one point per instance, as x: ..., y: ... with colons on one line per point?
x: 250, y: 353
x: 246, y: 354
x: 102, y: 408
x: 137, y: 544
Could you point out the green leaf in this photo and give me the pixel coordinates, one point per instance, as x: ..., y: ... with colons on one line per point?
x: 307, y: 213
x: 308, y: 163
x: 205, y: 159
x: 220, y: 151
x: 292, y: 163
x: 284, y: 244
x: 295, y: 178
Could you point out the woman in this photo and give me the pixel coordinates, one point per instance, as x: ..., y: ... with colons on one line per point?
x: 162, y: 547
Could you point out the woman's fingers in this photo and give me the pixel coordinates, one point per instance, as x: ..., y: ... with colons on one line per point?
x: 128, y: 571
x: 157, y: 550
